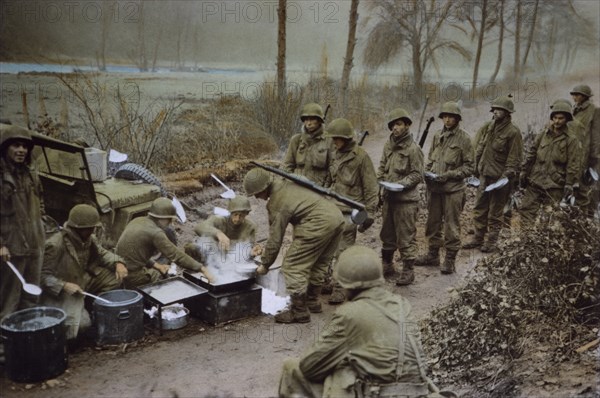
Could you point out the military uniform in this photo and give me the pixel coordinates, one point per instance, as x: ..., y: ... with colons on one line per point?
x: 140, y: 241
x: 69, y: 259
x: 450, y: 155
x: 589, y: 116
x: 552, y: 162
x: 310, y: 155
x: 499, y: 154
x: 362, y: 341
x: 317, y: 224
x: 402, y: 163
x: 353, y: 176
x: 21, y: 227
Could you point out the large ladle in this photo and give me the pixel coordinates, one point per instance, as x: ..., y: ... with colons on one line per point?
x: 96, y: 297
x: 28, y: 287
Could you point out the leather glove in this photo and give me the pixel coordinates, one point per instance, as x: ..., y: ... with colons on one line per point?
x: 452, y: 175
x: 523, y: 180
x: 366, y: 225
x: 261, y: 270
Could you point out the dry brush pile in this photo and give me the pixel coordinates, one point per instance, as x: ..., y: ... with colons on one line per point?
x: 540, y: 290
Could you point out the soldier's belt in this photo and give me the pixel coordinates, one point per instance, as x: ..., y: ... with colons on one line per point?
x: 368, y: 390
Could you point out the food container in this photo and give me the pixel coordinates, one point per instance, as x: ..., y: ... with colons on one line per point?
x: 174, y: 317
x: 200, y: 280
x: 121, y: 320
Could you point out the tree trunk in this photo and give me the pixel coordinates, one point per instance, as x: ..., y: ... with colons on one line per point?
x: 530, y: 35
x: 500, y: 44
x: 142, y: 60
x: 352, y: 21
x: 281, y: 17
x: 479, y: 45
x: 517, y: 61
x: 417, y: 75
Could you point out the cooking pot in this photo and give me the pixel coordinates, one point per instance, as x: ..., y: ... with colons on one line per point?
x: 174, y: 317
x: 35, y: 344
x: 121, y: 320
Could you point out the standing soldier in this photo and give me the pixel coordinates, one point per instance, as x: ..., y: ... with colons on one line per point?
x: 450, y: 161
x: 588, y: 115
x: 21, y: 227
x: 310, y: 153
x: 317, y: 228
x: 498, y: 155
x: 145, y: 237
x: 401, y: 163
x: 353, y: 176
x: 552, y: 165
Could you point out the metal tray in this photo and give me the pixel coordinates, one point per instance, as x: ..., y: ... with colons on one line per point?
x: 171, y: 290
x: 225, y: 287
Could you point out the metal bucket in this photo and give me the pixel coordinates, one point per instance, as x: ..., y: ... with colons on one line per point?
x: 35, y: 344
x: 170, y: 322
x: 120, y: 321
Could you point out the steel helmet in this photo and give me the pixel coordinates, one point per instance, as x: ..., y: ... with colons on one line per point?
x: 560, y: 106
x: 450, y: 108
x: 239, y: 203
x: 582, y: 89
x: 340, y: 128
x: 561, y: 100
x: 83, y: 216
x: 256, y: 181
x: 398, y: 113
x: 162, y: 208
x: 358, y: 267
x: 10, y: 132
x: 312, y: 109
x: 503, y: 103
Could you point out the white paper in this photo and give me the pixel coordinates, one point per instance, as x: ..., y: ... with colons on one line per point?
x: 219, y: 211
x: 116, y: 156
x: 179, y: 210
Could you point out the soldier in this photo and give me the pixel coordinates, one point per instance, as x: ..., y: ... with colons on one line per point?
x: 310, y: 153
x: 144, y: 237
x: 498, y: 155
x: 353, y: 176
x: 372, y: 340
x: 402, y: 163
x: 21, y: 227
x: 74, y: 262
x: 317, y: 228
x: 450, y: 161
x: 588, y: 115
x: 552, y: 164
x: 232, y: 229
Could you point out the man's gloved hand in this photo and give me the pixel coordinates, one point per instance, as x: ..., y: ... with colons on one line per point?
x: 452, y: 175
x: 442, y: 178
x: 523, y: 180
x: 261, y: 270
x: 366, y: 225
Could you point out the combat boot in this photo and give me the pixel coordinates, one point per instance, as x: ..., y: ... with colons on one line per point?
x: 297, y: 312
x: 448, y: 266
x: 407, y: 276
x: 431, y: 259
x: 491, y: 244
x: 338, y: 295
x: 312, y: 298
x: 387, y: 258
x: 477, y: 240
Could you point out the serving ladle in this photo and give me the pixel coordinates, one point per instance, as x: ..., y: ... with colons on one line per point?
x: 28, y: 287
x: 96, y: 297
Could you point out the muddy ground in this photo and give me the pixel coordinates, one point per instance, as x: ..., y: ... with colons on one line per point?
x: 243, y: 358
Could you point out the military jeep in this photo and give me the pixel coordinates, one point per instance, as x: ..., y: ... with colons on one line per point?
x: 68, y: 179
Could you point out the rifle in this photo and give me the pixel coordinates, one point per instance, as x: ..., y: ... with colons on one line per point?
x: 326, y: 112
x: 425, y: 132
x: 362, y: 138
x: 359, y: 214
x: 423, y: 113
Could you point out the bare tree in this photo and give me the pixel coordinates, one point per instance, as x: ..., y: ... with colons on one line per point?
x: 348, y: 59
x: 415, y: 26
x: 500, y: 42
x: 281, y: 45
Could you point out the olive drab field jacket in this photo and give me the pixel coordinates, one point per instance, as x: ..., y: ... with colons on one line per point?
x: 589, y: 117
x: 553, y: 160
x: 364, y: 336
x: 142, y: 239
x: 310, y: 155
x: 353, y: 176
x: 68, y: 259
x: 451, y: 152
x: 499, y: 151
x: 311, y: 215
x: 21, y: 210
x: 245, y: 232
x: 402, y: 163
